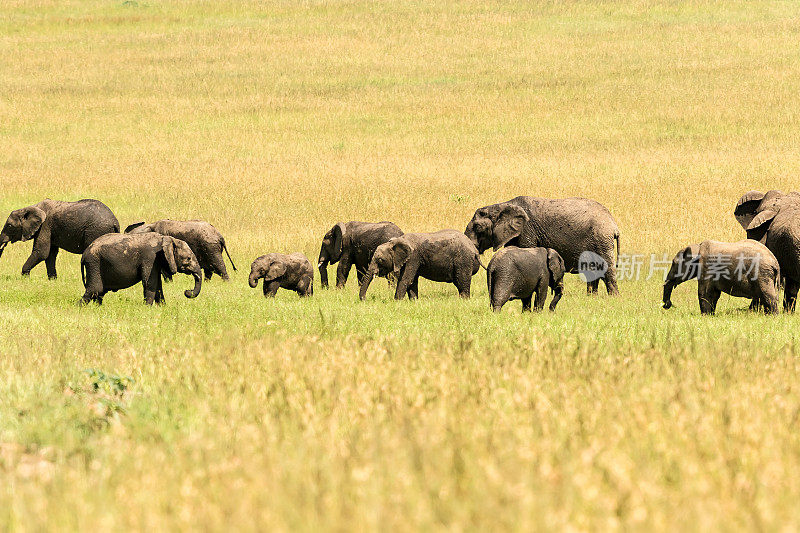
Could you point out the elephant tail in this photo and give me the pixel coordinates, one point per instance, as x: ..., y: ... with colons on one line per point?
x: 225, y: 247
x: 617, y: 238
x: 83, y: 273
x: 489, y: 283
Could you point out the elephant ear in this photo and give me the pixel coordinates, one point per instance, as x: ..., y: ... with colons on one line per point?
x: 276, y: 269
x: 509, y: 224
x: 338, y: 240
x: 31, y: 221
x: 747, y: 206
x: 757, y: 229
x: 168, y: 249
x: 401, y: 251
x: 555, y: 263
x: 134, y: 226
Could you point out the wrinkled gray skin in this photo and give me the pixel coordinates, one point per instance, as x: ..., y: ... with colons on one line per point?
x: 758, y: 280
x: 205, y: 241
x: 570, y: 226
x: 447, y: 256
x: 519, y: 273
x: 54, y: 226
x: 352, y: 244
x: 773, y: 219
x: 118, y: 261
x: 281, y: 271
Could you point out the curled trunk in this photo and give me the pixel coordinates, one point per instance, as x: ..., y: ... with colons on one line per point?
x: 198, y: 282
x: 253, y: 281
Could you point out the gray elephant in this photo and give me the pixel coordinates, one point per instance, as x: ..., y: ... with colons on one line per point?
x: 446, y: 256
x: 773, y: 219
x: 752, y: 203
x: 570, y: 226
x: 283, y: 271
x: 205, y: 241
x: 352, y: 243
x: 744, y: 269
x: 54, y: 226
x: 118, y: 261
x: 520, y: 273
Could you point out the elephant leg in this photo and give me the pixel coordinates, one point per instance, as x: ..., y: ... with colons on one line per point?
x: 208, y: 273
x: 790, y: 295
x: 463, y: 282
x: 708, y: 296
x: 591, y: 287
x: 541, y: 296
x: 271, y: 288
x: 408, y: 277
x: 305, y: 287
x: 160, y: 300
x: 50, y: 263
x: 34, y: 259
x: 413, y: 289
x: 755, y: 305
x: 94, y: 282
x: 500, y: 294
x: 526, y: 303
x: 610, y: 280
x: 218, y: 265
x: 343, y: 271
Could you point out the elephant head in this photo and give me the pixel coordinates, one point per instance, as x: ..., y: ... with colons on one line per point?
x: 139, y: 227
x: 331, y: 250
x: 555, y: 264
x: 268, y: 268
x: 178, y: 257
x: 387, y: 261
x: 755, y: 210
x: 684, y: 267
x: 22, y: 225
x: 496, y: 225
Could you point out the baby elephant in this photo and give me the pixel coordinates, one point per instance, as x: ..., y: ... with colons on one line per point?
x: 446, y: 256
x: 118, y: 261
x: 519, y: 273
x: 292, y: 271
x: 205, y: 240
x: 745, y: 269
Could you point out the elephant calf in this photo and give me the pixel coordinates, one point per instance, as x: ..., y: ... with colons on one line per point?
x: 280, y: 271
x: 519, y: 273
x: 205, y: 241
x: 446, y: 256
x: 118, y: 261
x: 745, y: 269
x: 352, y: 244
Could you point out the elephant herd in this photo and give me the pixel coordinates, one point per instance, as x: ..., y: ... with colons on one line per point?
x: 541, y: 240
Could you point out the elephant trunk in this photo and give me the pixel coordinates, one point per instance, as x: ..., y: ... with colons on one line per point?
x: 323, y: 272
x: 198, y: 283
x: 666, y: 301
x: 253, y: 280
x: 558, y: 292
x: 371, y: 271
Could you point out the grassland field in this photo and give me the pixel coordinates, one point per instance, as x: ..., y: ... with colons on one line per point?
x: 276, y: 119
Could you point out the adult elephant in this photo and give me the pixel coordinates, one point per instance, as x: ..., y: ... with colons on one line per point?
x: 780, y: 232
x: 55, y: 225
x: 206, y: 242
x: 352, y: 243
x: 773, y: 218
x: 570, y: 226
